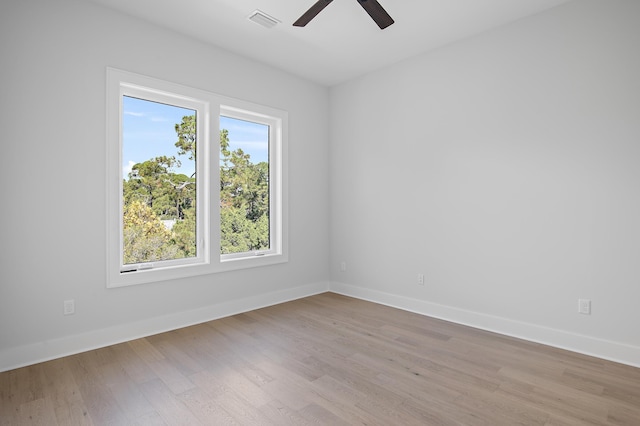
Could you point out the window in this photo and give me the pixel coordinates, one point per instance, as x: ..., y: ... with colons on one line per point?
x: 173, y: 210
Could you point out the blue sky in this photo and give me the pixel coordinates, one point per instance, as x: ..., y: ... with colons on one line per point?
x: 149, y: 131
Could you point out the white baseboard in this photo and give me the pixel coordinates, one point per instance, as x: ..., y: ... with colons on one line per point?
x: 600, y: 348
x: 21, y: 356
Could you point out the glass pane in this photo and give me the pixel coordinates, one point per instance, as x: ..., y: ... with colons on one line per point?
x: 244, y: 186
x: 159, y: 181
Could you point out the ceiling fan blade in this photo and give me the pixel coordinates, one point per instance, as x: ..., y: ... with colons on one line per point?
x: 377, y: 12
x: 311, y: 13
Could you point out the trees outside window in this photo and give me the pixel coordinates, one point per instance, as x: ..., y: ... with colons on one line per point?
x: 176, y: 212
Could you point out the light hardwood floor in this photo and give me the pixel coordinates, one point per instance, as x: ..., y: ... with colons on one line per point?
x: 326, y: 359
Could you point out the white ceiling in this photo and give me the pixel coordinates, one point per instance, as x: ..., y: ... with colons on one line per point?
x: 342, y: 42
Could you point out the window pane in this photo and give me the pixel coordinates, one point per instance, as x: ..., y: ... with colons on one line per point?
x: 159, y: 181
x: 244, y: 186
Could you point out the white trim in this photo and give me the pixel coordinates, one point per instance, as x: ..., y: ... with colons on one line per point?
x: 587, y: 345
x: 122, y: 83
x: 276, y: 120
x: 21, y: 356
x: 209, y: 106
x: 34, y: 353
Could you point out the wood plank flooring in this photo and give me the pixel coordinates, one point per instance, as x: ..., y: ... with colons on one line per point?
x: 328, y: 360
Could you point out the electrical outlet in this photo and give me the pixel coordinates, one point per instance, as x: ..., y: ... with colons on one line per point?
x: 343, y: 266
x: 69, y: 307
x: 584, y: 306
x: 420, y: 279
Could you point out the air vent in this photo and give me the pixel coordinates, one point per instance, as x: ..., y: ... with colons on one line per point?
x: 259, y: 17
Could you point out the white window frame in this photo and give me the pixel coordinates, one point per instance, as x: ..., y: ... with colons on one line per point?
x: 275, y: 170
x: 208, y: 106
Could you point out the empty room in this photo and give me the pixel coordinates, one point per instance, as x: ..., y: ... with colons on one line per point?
x: 421, y: 212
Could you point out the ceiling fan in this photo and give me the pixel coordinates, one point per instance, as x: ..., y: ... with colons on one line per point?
x: 373, y: 8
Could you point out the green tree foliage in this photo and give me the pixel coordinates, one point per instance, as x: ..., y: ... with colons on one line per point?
x: 184, y: 236
x: 244, y: 201
x: 146, y: 239
x: 152, y: 182
x: 186, y: 131
x: 239, y: 234
x: 153, y: 192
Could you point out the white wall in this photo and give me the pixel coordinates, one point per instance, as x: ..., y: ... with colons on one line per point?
x: 503, y: 167
x: 52, y: 222
x: 506, y: 168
